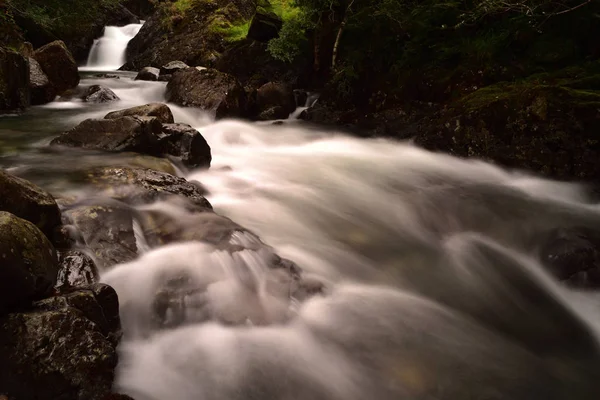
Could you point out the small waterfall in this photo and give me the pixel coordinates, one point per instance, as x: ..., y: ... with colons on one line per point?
x: 108, y: 52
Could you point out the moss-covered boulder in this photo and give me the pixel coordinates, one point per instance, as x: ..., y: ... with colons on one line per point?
x: 551, y: 128
x: 28, y: 264
x: 14, y: 81
x: 208, y: 89
x: 62, y: 348
x: 28, y: 201
x: 58, y: 64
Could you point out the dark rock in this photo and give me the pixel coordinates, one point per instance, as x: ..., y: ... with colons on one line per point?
x: 172, y: 67
x: 275, y: 94
x: 208, y: 89
x: 165, y: 78
x: 272, y: 113
x: 158, y: 110
x: 141, y: 8
x: 264, y: 26
x: 28, y: 265
x: 141, y: 185
x: 76, y: 269
x: 42, y: 91
x: 148, y: 74
x: 301, y: 97
x: 99, y: 94
x: 26, y: 200
x: 14, y: 81
x: 107, y: 76
x: 186, y: 143
x: 26, y: 49
x: 59, y: 65
x: 189, y: 35
x: 137, y: 134
x: 64, y: 348
x: 107, y: 231
x: 573, y: 256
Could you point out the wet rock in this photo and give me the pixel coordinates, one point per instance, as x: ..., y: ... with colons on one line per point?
x: 63, y: 348
x: 158, y: 110
x: 208, y: 89
x: 26, y: 200
x: 59, y: 65
x: 172, y: 67
x: 107, y: 76
x: 573, y: 256
x: 28, y: 265
x: 140, y: 185
x: 186, y: 143
x: 274, y: 94
x: 107, y: 231
x: 165, y: 78
x: 42, y: 91
x: 76, y: 269
x: 138, y: 134
x: 14, y: 81
x: 265, y: 26
x: 272, y: 113
x: 99, y: 94
x: 148, y: 74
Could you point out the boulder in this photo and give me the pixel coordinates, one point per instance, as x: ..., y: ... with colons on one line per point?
x: 274, y: 94
x: 28, y: 265
x: 14, y: 81
x: 208, y: 89
x: 108, y: 246
x: 59, y: 65
x: 138, y: 134
x: 141, y: 185
x: 185, y: 143
x: 272, y: 113
x: 265, y: 25
x: 41, y: 89
x: 26, y: 200
x: 63, y: 348
x: 172, y: 67
x: 99, y: 94
x: 159, y: 110
x: 76, y: 269
x: 148, y: 74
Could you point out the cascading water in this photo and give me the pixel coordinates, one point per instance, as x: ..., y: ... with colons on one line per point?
x: 421, y: 277
x: 108, y: 52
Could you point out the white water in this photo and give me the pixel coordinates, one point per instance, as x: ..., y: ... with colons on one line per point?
x: 433, y: 284
x: 108, y: 52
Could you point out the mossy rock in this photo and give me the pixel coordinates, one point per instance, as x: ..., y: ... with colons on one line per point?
x: 14, y: 81
x: 28, y: 263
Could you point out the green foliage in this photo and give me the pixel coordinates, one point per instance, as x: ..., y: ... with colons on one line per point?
x: 231, y: 32
x: 292, y: 41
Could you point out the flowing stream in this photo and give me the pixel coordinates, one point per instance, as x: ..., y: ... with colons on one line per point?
x: 433, y: 284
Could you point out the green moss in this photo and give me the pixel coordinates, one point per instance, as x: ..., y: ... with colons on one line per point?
x: 231, y: 32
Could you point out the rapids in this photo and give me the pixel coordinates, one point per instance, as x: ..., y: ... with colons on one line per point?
x: 434, y: 288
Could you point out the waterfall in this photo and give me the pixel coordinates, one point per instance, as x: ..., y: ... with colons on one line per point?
x: 108, y: 52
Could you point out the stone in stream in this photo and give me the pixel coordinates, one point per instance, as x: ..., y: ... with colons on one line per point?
x: 141, y: 186
x: 28, y: 264
x: 274, y: 94
x: 99, y: 94
x: 172, y: 67
x: 148, y: 74
x: 59, y: 65
x: 14, y: 81
x: 208, y: 89
x: 138, y: 134
x: 42, y: 91
x: 62, y: 348
x: 76, y: 269
x: 186, y: 143
x: 26, y: 200
x: 158, y: 110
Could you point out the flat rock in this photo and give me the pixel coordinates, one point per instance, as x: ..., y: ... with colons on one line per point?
x: 172, y: 67
x: 158, y: 110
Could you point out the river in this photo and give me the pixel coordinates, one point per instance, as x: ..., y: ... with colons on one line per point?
x: 434, y: 287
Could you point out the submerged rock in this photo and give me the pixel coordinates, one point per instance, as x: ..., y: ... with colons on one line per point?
x: 208, y: 89
x: 134, y: 133
x: 172, y: 67
x: 14, y: 81
x: 59, y: 65
x: 26, y: 200
x: 28, y: 265
x: 158, y: 110
x: 63, y: 348
x: 148, y: 74
x: 141, y: 186
x: 186, y: 143
x: 99, y: 94
x: 42, y: 91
